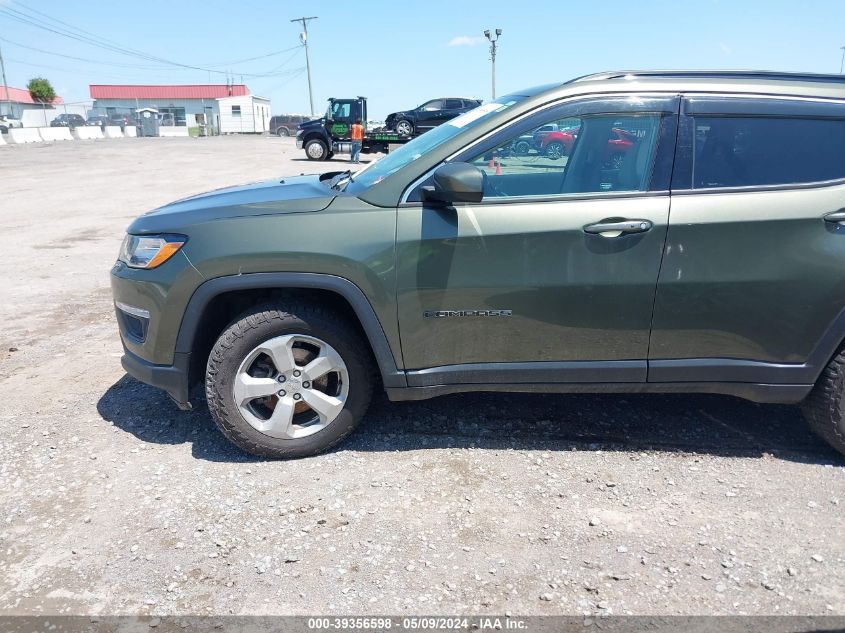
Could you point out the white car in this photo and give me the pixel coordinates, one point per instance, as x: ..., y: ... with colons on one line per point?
x: 7, y: 122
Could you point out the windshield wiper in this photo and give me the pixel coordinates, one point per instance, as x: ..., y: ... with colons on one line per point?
x: 335, y: 181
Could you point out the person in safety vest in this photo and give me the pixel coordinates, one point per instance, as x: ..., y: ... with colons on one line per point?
x: 357, y: 140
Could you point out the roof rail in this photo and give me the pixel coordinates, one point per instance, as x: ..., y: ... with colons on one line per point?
x: 715, y: 74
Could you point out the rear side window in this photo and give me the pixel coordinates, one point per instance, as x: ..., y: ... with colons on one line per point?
x: 452, y: 104
x: 747, y: 151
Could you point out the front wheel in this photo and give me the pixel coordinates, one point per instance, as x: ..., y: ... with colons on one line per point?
x: 521, y: 148
x: 405, y: 128
x: 288, y: 383
x: 316, y: 149
x: 282, y: 131
x: 824, y: 408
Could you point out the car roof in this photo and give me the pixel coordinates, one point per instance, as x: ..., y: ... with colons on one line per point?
x: 737, y: 81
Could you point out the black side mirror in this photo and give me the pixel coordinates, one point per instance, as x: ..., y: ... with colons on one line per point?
x: 455, y: 182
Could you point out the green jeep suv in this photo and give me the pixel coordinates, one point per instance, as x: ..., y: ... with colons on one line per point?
x: 688, y: 237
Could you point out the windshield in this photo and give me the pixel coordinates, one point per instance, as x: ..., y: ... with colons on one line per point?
x: 380, y: 169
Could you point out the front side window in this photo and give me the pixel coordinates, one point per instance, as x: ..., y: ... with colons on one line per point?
x: 432, y: 106
x: 380, y: 169
x: 340, y: 110
x: 744, y: 151
x: 593, y: 153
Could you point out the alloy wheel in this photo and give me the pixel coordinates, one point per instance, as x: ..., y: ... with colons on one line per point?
x: 291, y: 386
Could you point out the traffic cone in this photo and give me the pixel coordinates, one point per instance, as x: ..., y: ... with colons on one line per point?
x: 492, y: 162
x: 498, y: 168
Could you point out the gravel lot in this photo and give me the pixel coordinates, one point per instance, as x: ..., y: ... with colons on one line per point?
x: 114, y: 502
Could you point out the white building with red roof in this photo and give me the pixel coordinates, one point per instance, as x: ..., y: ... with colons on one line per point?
x: 19, y: 104
x: 229, y: 108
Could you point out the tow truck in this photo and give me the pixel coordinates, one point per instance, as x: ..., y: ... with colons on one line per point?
x: 332, y: 133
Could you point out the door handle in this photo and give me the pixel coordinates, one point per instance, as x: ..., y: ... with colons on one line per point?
x: 836, y: 216
x: 615, y: 228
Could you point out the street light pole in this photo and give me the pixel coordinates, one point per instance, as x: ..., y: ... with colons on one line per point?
x: 493, y: 39
x: 842, y: 63
x: 304, y: 37
x: 5, y: 86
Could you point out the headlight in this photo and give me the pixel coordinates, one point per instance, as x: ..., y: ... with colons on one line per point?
x: 150, y: 251
x: 299, y: 132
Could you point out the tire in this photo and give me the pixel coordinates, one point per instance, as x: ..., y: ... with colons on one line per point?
x: 824, y: 408
x: 282, y: 131
x: 316, y: 149
x: 555, y: 150
x: 616, y: 161
x: 268, y: 325
x: 521, y: 148
x: 404, y: 127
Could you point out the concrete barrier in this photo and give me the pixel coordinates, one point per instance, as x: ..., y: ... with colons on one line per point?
x: 113, y: 131
x: 173, y: 130
x: 131, y: 131
x: 55, y: 133
x: 89, y: 132
x: 24, y: 135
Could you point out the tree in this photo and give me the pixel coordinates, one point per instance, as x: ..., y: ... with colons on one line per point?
x: 41, y: 90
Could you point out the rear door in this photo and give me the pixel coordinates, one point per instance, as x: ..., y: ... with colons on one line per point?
x: 539, y: 271
x: 451, y: 109
x: 753, y: 277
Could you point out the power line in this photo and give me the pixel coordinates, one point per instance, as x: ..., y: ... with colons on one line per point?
x: 272, y: 72
x: 252, y: 59
x: 25, y: 19
x: 95, y: 36
x: 84, y: 59
x: 99, y: 42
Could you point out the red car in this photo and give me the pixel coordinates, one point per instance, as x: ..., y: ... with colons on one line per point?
x: 555, y: 144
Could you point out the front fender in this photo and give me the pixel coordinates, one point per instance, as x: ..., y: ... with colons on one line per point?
x: 192, y: 319
x: 350, y: 239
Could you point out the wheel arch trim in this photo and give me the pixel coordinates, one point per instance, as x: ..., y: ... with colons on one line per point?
x: 367, y: 317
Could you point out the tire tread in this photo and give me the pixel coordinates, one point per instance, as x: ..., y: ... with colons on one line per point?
x: 823, y: 408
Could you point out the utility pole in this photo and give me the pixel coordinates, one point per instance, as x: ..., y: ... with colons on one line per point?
x: 841, y: 64
x: 5, y: 86
x: 304, y: 38
x: 493, y: 39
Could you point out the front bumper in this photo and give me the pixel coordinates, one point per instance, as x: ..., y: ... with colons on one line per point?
x: 149, y: 305
x: 171, y: 378
x: 298, y: 142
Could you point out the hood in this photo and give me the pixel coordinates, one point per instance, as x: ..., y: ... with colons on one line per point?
x: 300, y: 194
x: 312, y: 124
x: 393, y: 115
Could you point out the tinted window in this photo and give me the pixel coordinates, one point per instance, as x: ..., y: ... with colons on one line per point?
x: 437, y: 104
x: 452, y: 104
x: 746, y: 151
x: 576, y: 155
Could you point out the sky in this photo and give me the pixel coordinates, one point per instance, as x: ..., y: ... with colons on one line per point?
x: 400, y: 54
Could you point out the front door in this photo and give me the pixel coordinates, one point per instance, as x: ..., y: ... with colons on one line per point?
x: 428, y: 115
x: 556, y: 265
x: 342, y: 116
